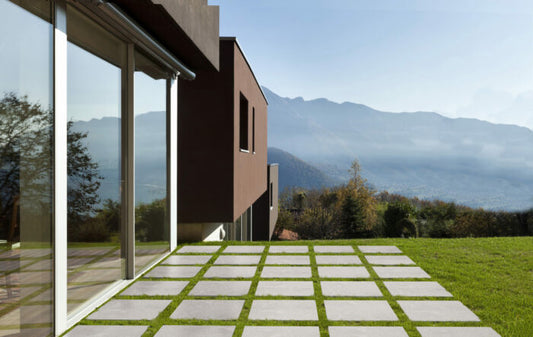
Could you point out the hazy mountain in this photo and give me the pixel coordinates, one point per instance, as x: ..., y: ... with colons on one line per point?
x: 419, y: 154
x: 103, y: 143
x: 294, y: 172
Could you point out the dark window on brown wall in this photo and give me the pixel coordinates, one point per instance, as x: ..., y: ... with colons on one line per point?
x: 253, y: 130
x: 271, y: 195
x: 243, y: 123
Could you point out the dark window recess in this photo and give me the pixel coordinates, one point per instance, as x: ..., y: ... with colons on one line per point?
x: 253, y: 130
x: 271, y: 195
x: 243, y: 123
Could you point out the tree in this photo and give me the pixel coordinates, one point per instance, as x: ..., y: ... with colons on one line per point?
x: 84, y: 179
x: 352, y: 219
x: 397, y: 220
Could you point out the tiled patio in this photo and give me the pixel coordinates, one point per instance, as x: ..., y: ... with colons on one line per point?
x: 298, y: 290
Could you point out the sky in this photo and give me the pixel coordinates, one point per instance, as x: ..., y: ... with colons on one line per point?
x: 460, y: 58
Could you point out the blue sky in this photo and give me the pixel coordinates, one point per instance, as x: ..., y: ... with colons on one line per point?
x: 467, y: 58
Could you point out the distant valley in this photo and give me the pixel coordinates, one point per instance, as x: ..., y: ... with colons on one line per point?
x: 420, y: 154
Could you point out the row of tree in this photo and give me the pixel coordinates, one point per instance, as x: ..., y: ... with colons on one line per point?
x: 354, y: 210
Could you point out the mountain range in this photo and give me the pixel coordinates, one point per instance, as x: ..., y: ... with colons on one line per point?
x: 418, y: 154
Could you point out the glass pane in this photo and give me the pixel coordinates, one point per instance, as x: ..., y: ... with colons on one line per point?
x: 151, y: 220
x: 95, y: 259
x: 26, y: 118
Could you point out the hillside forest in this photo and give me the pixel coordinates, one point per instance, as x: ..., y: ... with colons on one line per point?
x: 355, y: 210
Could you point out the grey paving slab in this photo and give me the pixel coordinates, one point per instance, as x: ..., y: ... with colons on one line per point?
x: 244, y: 249
x: 286, y: 272
x: 367, y: 331
x: 288, y: 249
x: 283, y: 310
x: 379, y: 249
x: 457, y: 332
x: 281, y: 331
x: 230, y: 272
x: 238, y: 259
x: 333, y: 249
x: 195, y: 331
x: 343, y: 272
x: 288, y: 259
x: 401, y: 272
x: 107, y: 331
x: 187, y: 259
x: 221, y: 288
x: 173, y: 271
x: 130, y: 309
x: 198, y: 249
x: 338, y: 259
x: 359, y: 311
x: 154, y: 288
x: 416, y: 289
x: 389, y: 260
x: 208, y: 309
x: 350, y: 288
x: 437, y: 311
x: 285, y: 288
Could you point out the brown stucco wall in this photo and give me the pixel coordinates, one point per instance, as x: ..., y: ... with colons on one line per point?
x: 187, y: 28
x: 250, y: 170
x: 205, y: 146
x: 217, y: 182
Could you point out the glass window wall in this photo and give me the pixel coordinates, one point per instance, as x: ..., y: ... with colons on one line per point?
x: 26, y: 171
x: 151, y: 216
x: 94, y: 95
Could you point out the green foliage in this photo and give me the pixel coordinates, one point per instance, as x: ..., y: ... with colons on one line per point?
x: 352, y: 217
x: 398, y: 221
x: 149, y: 219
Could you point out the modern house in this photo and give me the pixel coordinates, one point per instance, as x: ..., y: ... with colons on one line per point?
x: 222, y: 169
x: 92, y: 165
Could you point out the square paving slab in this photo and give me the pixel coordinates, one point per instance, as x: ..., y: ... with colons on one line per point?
x: 187, y: 259
x: 343, y: 272
x: 457, y: 332
x: 130, y: 309
x: 359, y: 311
x: 333, y: 249
x: 173, y: 272
x: 230, y: 272
x: 221, y: 288
x: 379, y: 249
x: 195, y: 331
x: 198, y: 249
x: 244, y: 249
x: 367, y: 331
x: 390, y: 260
x: 286, y: 272
x: 401, y: 272
x: 285, y: 288
x: 281, y: 331
x: 154, y: 288
x: 288, y: 259
x: 416, y: 289
x: 338, y: 259
x: 238, y: 259
x: 437, y: 311
x: 350, y: 288
x: 283, y: 310
x: 208, y: 309
x: 288, y: 249
x: 107, y: 331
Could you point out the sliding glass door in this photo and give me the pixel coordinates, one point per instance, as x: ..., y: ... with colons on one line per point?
x: 96, y: 60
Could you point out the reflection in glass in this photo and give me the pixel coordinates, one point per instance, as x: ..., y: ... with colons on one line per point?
x: 94, y: 157
x: 25, y: 169
x: 151, y: 221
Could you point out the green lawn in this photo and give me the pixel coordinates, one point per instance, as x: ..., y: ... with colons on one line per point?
x: 491, y: 276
